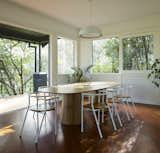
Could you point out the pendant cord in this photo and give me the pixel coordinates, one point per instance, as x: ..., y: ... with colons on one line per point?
x: 90, y: 12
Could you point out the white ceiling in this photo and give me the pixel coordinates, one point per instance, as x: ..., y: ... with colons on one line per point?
x: 76, y: 12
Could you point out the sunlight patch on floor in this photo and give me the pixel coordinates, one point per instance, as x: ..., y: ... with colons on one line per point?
x: 127, y: 145
x: 6, y: 130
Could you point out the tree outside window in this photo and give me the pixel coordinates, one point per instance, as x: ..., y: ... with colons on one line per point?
x: 138, y: 53
x: 16, y: 67
x: 106, y: 55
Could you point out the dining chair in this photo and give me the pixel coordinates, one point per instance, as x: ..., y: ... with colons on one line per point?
x: 94, y: 107
x: 45, y: 102
x: 115, y: 95
x: 124, y: 97
x: 129, y: 90
x: 110, y: 100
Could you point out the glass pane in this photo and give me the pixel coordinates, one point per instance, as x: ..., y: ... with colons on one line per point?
x: 44, y: 59
x: 138, y: 53
x: 106, y: 55
x: 16, y: 67
x: 65, y: 56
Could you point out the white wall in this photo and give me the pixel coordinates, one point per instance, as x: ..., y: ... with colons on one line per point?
x: 144, y: 91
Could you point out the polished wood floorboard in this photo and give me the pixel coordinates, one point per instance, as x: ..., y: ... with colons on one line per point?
x: 140, y: 135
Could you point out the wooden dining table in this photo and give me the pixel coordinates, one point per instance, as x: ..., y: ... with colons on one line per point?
x: 71, y: 105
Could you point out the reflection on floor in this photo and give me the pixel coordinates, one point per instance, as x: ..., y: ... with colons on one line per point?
x: 140, y: 135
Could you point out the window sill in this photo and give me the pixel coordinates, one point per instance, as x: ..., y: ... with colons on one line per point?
x: 105, y: 73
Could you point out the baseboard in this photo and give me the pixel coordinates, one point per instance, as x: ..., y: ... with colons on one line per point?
x: 147, y: 102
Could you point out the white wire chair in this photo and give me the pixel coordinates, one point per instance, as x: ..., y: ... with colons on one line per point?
x: 110, y: 100
x: 45, y: 101
x: 95, y: 107
x: 123, y: 95
x: 129, y: 90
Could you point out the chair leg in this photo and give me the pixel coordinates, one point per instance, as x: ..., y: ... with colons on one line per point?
x: 82, y: 101
x: 95, y: 117
x: 97, y: 123
x: 129, y: 108
x: 56, y: 116
x: 103, y: 110
x: 113, y: 106
x: 37, y: 129
x: 133, y: 104
x: 125, y: 109
x: 99, y: 111
x: 102, y: 115
x: 99, y: 99
x: 24, y: 122
x: 111, y: 116
x: 44, y: 115
x: 117, y: 114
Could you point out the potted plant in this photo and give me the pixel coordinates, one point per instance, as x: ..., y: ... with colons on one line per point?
x: 154, y: 74
x: 80, y: 75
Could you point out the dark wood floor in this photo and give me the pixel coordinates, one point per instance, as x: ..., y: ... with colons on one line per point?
x: 141, y: 135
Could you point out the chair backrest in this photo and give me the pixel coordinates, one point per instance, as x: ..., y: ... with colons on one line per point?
x: 42, y: 96
x: 125, y: 90
x: 111, y: 92
x: 92, y: 96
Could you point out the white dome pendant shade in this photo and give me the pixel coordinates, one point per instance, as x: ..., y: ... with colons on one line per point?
x: 90, y: 32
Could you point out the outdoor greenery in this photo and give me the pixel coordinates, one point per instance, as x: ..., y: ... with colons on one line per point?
x: 106, y: 55
x: 154, y: 74
x: 16, y: 67
x: 17, y: 61
x: 138, y: 53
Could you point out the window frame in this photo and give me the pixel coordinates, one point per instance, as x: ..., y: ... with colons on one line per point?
x: 74, y: 53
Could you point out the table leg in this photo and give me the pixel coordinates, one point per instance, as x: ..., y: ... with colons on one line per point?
x: 71, y: 109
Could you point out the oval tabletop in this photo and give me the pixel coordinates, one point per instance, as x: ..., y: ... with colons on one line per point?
x: 79, y: 87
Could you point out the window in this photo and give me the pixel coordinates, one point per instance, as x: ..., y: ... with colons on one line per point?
x: 106, y: 55
x: 16, y: 67
x: 66, y: 54
x: 137, y: 53
x: 44, y: 58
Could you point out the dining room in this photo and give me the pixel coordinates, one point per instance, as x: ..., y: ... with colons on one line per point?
x: 79, y: 76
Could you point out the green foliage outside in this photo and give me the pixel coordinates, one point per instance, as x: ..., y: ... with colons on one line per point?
x: 138, y: 53
x: 16, y: 67
x: 154, y: 74
x: 106, y: 56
